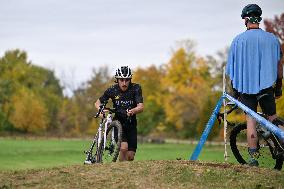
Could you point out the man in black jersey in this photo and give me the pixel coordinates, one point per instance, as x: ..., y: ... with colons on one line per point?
x: 128, y: 101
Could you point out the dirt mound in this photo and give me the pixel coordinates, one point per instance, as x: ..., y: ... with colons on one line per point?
x: 145, y: 174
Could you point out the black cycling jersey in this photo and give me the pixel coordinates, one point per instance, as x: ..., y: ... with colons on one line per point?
x: 123, y: 100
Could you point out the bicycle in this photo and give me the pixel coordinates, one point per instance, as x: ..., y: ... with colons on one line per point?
x: 105, y: 145
x: 270, y: 148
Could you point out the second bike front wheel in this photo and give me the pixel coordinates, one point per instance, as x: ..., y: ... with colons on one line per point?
x: 110, y: 152
x: 238, y: 143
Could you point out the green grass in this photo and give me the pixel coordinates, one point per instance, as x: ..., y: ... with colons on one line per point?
x: 42, y: 153
x: 27, y: 154
x: 179, y: 151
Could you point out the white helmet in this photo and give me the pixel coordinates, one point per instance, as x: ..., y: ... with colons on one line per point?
x: 123, y: 72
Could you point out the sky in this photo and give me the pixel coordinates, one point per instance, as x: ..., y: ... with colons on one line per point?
x: 73, y: 37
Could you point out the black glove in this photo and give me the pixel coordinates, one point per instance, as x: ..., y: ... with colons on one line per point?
x: 278, y: 87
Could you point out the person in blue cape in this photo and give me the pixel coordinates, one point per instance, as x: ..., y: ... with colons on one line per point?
x: 256, y: 72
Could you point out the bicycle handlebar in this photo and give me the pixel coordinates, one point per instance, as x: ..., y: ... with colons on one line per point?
x: 227, y: 112
x: 111, y: 110
x: 230, y: 110
x: 102, y: 108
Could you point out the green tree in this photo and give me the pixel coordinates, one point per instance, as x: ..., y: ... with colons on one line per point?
x: 18, y: 75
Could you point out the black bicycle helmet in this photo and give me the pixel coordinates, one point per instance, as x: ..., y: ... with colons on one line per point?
x: 123, y: 72
x: 251, y: 10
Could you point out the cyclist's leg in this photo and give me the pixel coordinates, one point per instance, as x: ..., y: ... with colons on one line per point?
x: 130, y: 155
x: 251, y: 102
x: 124, y: 144
x: 132, y: 142
x: 251, y: 132
x: 123, y: 151
x: 268, y: 106
x: 266, y: 101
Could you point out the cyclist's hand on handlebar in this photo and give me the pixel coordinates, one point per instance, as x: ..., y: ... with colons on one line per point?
x: 129, y: 112
x: 102, y: 115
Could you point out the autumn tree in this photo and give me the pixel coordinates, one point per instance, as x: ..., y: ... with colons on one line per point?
x: 186, y: 85
x: 29, y: 113
x: 76, y: 114
x: 152, y: 119
x: 276, y: 26
x: 18, y: 76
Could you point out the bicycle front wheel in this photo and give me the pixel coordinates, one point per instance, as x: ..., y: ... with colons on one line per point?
x: 109, y: 149
x: 238, y: 143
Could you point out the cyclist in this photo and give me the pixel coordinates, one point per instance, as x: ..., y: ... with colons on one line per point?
x: 128, y: 101
x: 254, y: 65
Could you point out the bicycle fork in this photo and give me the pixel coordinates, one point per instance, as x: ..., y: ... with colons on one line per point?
x: 96, y: 141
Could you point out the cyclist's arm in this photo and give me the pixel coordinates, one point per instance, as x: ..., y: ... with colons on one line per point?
x: 278, y: 86
x: 138, y: 109
x: 280, y: 68
x: 139, y: 100
x: 103, y: 98
x: 97, y: 104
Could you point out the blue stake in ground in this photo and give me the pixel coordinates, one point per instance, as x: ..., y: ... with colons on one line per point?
x: 207, y: 130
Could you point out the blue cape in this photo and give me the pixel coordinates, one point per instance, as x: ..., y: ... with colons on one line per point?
x: 252, y: 61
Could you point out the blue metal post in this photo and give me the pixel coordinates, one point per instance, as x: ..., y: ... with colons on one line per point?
x: 206, y: 131
x: 268, y: 125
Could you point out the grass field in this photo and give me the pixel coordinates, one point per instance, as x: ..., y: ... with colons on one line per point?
x: 36, y: 153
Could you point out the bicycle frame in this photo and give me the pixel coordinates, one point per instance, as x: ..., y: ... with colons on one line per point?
x: 103, y: 129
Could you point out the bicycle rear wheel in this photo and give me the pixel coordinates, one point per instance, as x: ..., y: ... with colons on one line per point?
x: 238, y: 143
x: 110, y: 152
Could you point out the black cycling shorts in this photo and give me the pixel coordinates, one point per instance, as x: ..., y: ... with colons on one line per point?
x: 129, y: 134
x: 265, y: 98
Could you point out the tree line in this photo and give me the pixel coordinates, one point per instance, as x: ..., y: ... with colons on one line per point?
x: 179, y: 96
